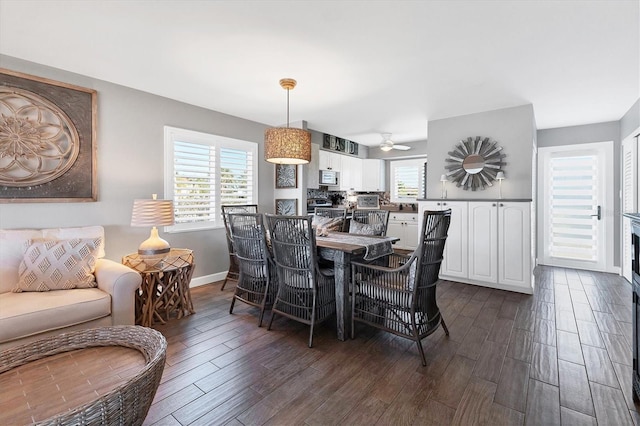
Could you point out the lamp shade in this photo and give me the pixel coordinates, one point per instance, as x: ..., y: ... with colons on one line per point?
x: 152, y: 213
x: 286, y: 145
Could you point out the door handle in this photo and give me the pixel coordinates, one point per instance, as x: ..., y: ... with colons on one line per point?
x: 598, y: 214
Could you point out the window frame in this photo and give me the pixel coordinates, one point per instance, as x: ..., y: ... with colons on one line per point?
x: 420, y: 164
x: 217, y: 142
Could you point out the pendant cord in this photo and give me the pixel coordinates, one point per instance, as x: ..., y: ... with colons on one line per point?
x: 287, y: 108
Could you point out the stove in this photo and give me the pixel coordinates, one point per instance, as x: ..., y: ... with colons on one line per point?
x: 312, y: 203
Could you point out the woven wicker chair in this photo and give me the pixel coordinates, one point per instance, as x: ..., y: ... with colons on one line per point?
x: 234, y: 271
x: 257, y: 283
x: 305, y: 292
x: 126, y: 404
x: 372, y: 217
x: 402, y: 299
x: 331, y: 212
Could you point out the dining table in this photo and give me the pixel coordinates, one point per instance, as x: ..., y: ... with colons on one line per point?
x: 342, y: 248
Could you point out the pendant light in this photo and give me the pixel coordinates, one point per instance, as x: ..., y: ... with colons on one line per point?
x: 286, y: 145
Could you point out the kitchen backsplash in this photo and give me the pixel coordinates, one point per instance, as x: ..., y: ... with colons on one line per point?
x: 347, y: 199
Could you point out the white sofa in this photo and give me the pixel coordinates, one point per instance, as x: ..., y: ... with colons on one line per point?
x: 28, y: 316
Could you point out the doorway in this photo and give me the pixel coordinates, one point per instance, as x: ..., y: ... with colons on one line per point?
x: 575, y: 224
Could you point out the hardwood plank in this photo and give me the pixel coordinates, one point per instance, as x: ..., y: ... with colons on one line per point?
x: 472, y: 343
x: 489, y: 363
x: 573, y: 383
x: 583, y: 312
x: 167, y: 406
x: 545, y: 332
x: 625, y: 375
x: 404, y: 408
x: 457, y: 375
x: 366, y: 412
x: 566, y: 321
x: 569, y: 348
x: 433, y: 413
x: 607, y: 323
x: 546, y: 311
x: 610, y: 406
x: 486, y: 317
x: 513, y: 384
x: 501, y: 330
x: 573, y: 418
x: 544, y: 364
x: 503, y: 416
x: 520, y: 345
x: 525, y: 320
x: 508, y: 310
x: 543, y: 407
x: 476, y: 403
x: 618, y: 348
x: 599, y: 367
x: 589, y: 334
x: 229, y: 408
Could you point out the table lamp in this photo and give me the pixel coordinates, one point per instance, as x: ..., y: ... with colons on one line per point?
x: 500, y: 178
x: 153, y: 213
x: 443, y: 179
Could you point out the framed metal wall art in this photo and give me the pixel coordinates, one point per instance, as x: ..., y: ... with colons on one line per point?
x: 474, y: 163
x: 286, y: 176
x: 47, y: 140
x: 287, y: 207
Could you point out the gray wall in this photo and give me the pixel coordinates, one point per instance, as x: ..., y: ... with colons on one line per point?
x: 514, y: 130
x: 130, y: 165
x: 630, y: 122
x: 590, y: 133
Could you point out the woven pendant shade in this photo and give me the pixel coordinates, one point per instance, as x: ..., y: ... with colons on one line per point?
x: 286, y: 145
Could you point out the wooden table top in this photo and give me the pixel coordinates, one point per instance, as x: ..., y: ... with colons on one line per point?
x: 353, y: 248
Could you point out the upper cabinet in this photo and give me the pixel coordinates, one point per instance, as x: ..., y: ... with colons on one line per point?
x: 373, y: 175
x: 351, y: 174
x: 330, y: 161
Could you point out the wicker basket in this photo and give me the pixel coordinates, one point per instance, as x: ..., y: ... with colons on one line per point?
x: 126, y: 404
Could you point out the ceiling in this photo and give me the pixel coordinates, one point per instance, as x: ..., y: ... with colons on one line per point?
x: 363, y: 67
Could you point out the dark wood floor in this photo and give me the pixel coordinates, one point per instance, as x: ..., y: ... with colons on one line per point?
x: 562, y: 356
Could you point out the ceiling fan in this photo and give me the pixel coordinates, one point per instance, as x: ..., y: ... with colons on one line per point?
x: 387, y: 144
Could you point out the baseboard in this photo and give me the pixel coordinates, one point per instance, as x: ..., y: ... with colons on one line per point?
x: 207, y: 279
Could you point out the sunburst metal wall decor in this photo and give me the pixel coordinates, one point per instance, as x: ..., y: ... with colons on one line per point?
x: 474, y: 163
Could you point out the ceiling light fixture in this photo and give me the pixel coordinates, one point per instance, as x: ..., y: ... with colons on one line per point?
x: 286, y: 145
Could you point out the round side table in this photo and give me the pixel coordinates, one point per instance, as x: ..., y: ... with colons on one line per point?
x: 165, y: 286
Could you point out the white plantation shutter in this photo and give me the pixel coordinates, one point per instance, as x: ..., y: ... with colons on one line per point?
x: 407, y: 179
x: 572, y: 201
x: 203, y: 172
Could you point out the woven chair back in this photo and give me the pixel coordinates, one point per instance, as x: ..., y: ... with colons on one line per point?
x: 372, y: 217
x: 294, y: 249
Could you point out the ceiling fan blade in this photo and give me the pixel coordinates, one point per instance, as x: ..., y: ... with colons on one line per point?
x: 401, y: 147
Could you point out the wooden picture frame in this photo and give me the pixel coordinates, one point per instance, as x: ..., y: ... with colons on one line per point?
x: 53, y: 124
x: 286, y: 176
x: 287, y: 207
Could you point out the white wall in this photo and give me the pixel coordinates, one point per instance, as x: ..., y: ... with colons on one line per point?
x: 513, y: 129
x: 130, y: 165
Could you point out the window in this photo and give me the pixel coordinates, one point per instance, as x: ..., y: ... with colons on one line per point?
x: 203, y: 172
x: 407, y: 180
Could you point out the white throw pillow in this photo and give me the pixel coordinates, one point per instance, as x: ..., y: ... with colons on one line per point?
x: 58, y: 264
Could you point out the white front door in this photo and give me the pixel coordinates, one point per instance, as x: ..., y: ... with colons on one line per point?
x: 575, y: 224
x: 629, y: 198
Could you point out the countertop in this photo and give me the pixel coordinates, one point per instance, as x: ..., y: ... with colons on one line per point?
x: 519, y: 200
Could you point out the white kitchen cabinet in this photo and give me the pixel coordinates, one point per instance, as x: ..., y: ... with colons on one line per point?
x: 329, y: 161
x: 313, y: 177
x: 488, y: 243
x: 405, y: 227
x: 351, y: 174
x: 514, y: 243
x: 455, y: 259
x: 373, y: 175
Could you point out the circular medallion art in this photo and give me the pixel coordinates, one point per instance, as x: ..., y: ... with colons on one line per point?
x: 38, y: 142
x: 474, y: 163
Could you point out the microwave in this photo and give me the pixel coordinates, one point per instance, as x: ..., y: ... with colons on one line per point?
x: 328, y: 177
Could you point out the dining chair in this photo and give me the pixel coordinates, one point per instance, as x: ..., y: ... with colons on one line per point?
x: 370, y: 222
x: 333, y: 213
x: 306, y: 293
x: 234, y: 271
x: 257, y: 281
x: 402, y: 300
